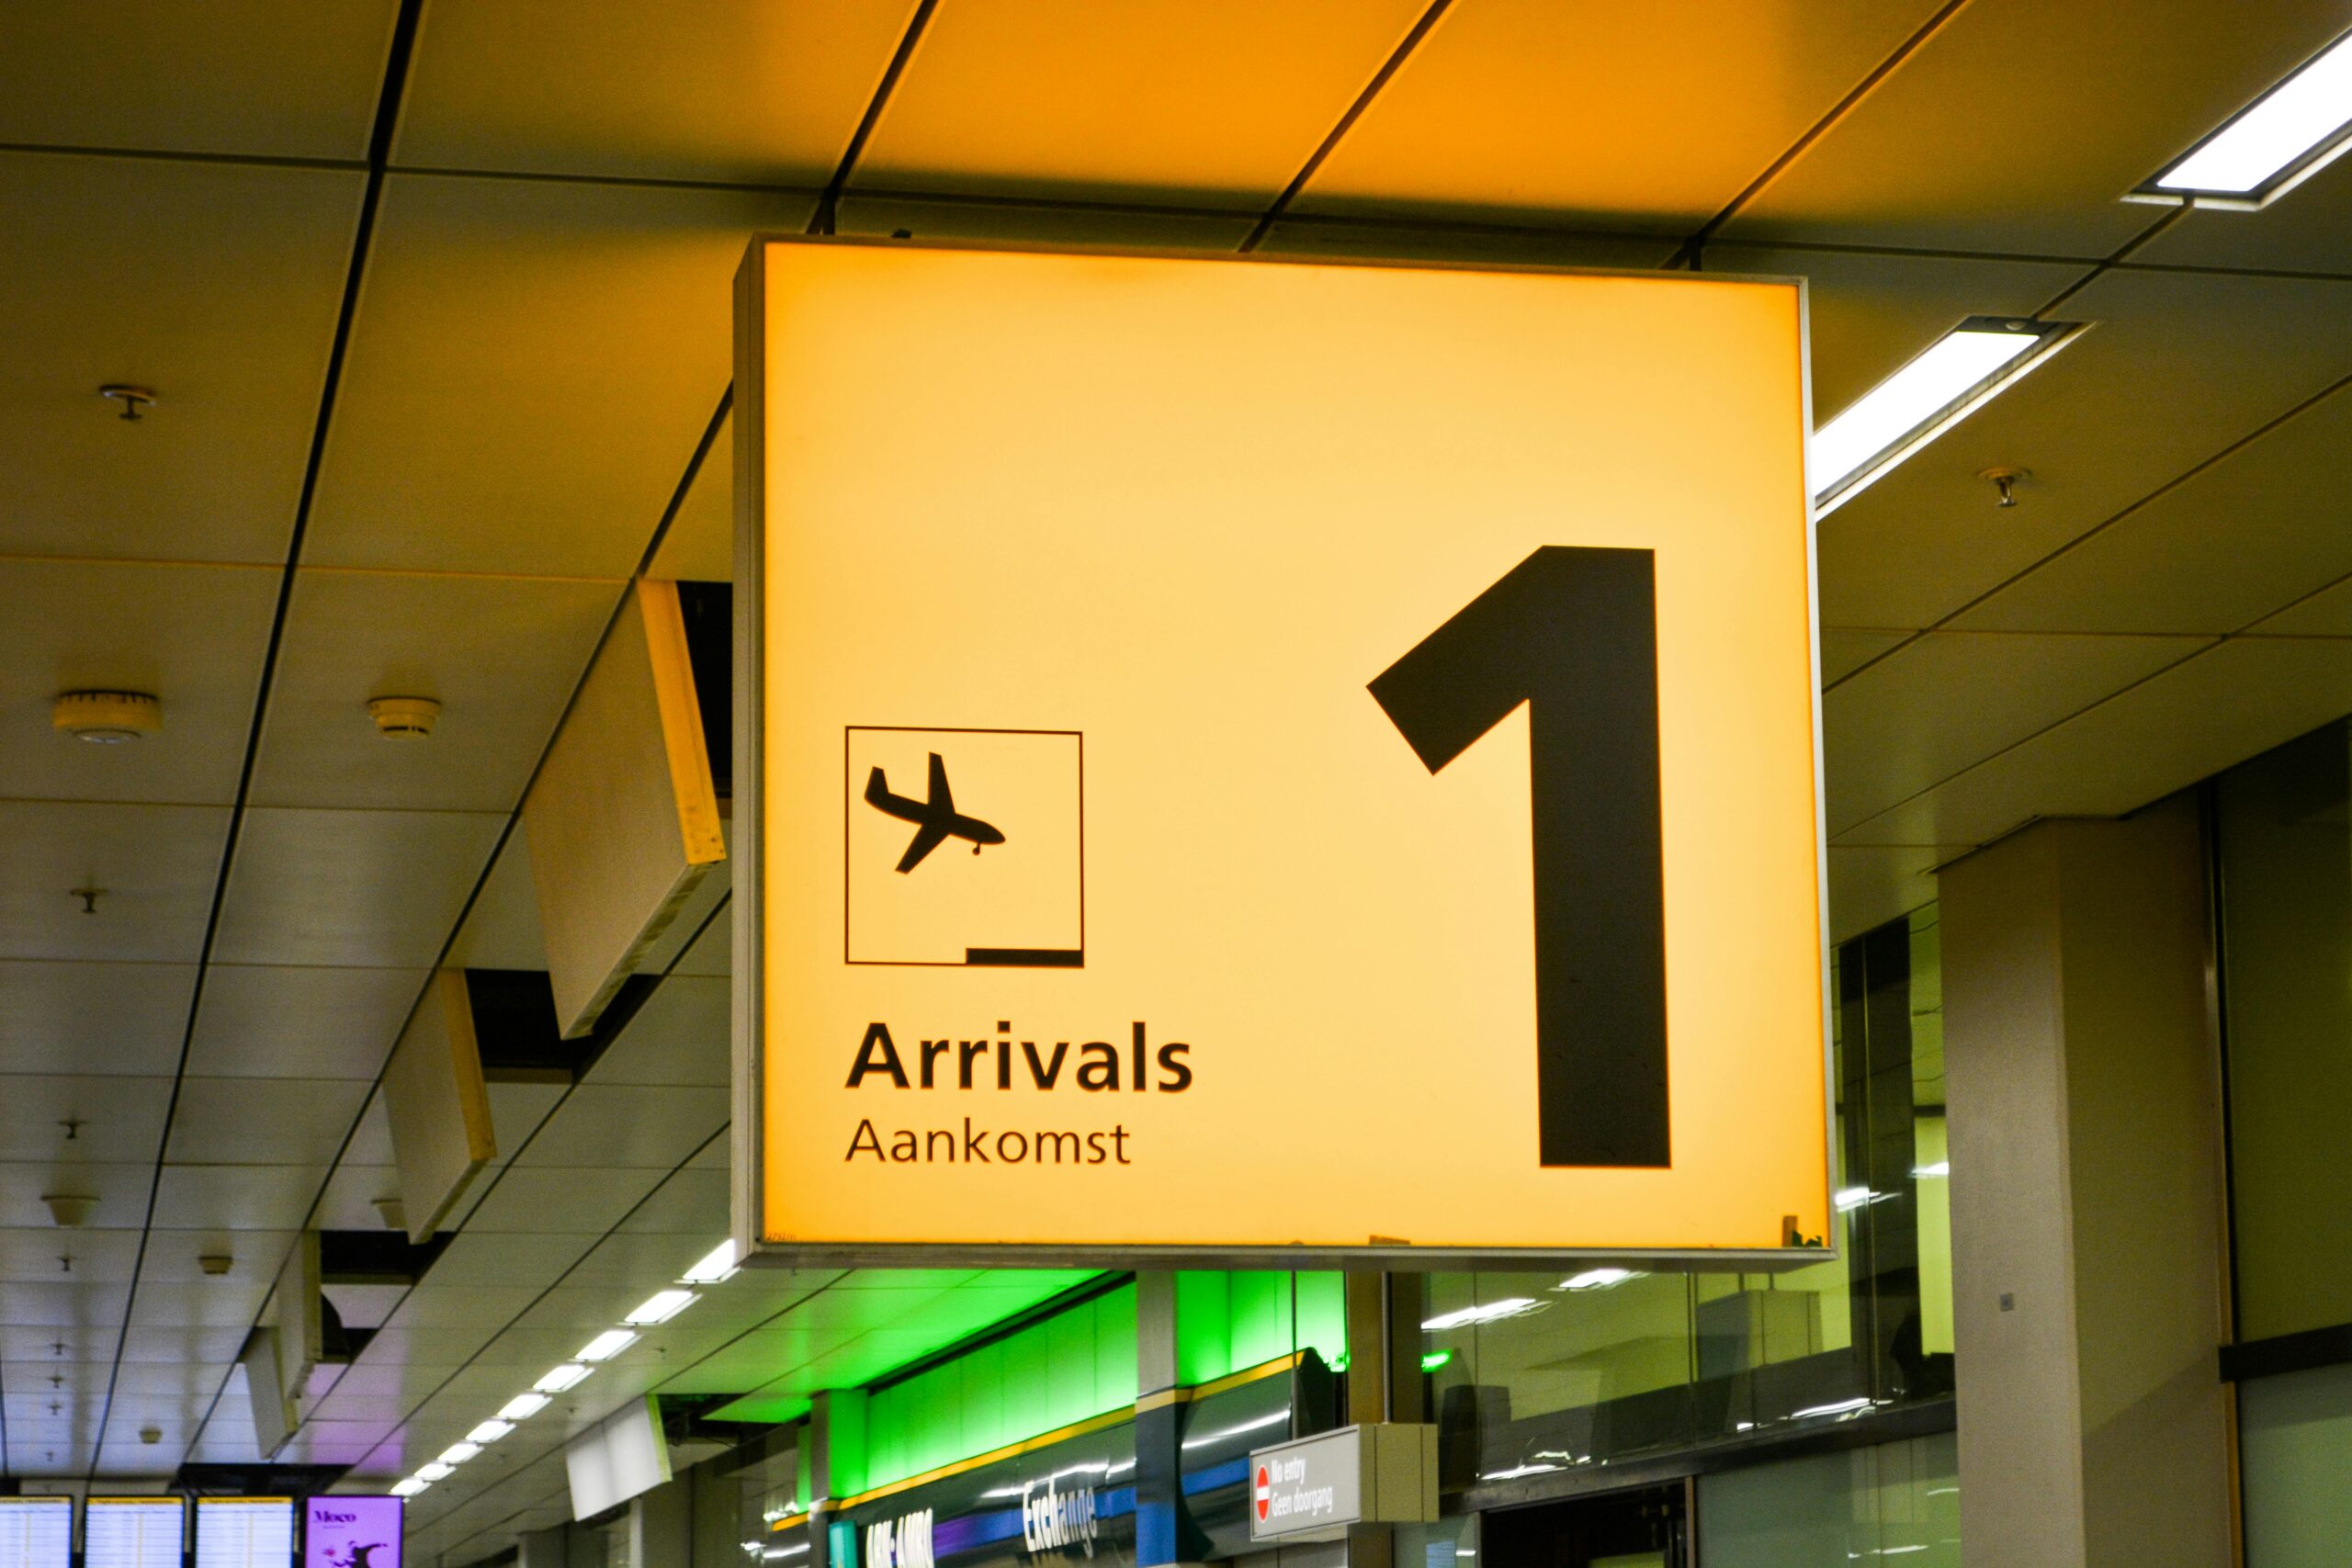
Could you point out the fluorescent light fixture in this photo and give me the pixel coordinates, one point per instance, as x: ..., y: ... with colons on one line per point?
x: 2272, y: 145
x: 1957, y: 375
x: 605, y: 1345
x: 1488, y: 1312
x: 557, y: 1379
x: 410, y: 1487
x: 490, y: 1431
x: 1843, y: 1407
x: 1597, y: 1279
x: 523, y: 1406
x: 1941, y: 1168
x: 718, y: 1264
x: 660, y: 1308
x: 433, y: 1471
x: 457, y: 1453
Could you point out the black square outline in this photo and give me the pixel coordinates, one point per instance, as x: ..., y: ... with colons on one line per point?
x: 849, y: 795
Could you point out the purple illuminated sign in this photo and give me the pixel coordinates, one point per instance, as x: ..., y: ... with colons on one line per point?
x: 352, y: 1533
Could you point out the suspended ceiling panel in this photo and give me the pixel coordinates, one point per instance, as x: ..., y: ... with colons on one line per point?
x: 502, y: 929
x: 2324, y: 614
x: 361, y: 889
x: 125, y: 1018
x: 274, y: 1121
x: 299, y: 1022
x: 2310, y: 231
x: 190, y: 636
x: 152, y: 867
x: 2177, y: 369
x: 605, y: 1127
x: 2245, y: 696
x: 278, y: 80
x: 1495, y: 244
x: 994, y: 219
x: 700, y: 545
x: 500, y: 654
x: 532, y: 365
x: 680, y: 1035
x: 734, y: 91
x: 1612, y: 117
x: 1872, y: 314
x: 216, y: 284
x: 1217, y: 102
x: 1950, y: 699
x: 2020, y: 124
x: 1845, y: 650
x: 258, y: 1197
x: 2215, y: 552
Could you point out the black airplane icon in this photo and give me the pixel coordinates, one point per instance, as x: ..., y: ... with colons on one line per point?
x: 937, y: 820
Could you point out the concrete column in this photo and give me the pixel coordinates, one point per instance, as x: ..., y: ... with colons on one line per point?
x: 2087, y: 1197
x: 1163, y: 1536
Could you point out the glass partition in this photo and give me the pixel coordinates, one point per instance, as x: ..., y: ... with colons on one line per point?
x: 1543, y: 1371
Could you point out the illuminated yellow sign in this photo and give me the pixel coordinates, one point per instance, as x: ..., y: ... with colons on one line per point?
x: 1242, y: 755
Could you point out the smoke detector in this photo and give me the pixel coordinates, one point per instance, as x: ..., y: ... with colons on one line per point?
x: 69, y: 1209
x: 107, y: 718
x: 151, y: 1434
x: 403, y: 719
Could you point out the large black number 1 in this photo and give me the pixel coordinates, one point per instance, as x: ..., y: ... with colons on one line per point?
x: 1572, y: 632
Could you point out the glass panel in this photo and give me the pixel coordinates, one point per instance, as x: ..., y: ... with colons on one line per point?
x: 1540, y: 1372
x: 2286, y: 863
x: 2295, y: 1455
x: 1894, y: 1500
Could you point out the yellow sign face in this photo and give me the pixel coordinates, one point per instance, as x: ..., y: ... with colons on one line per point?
x: 1238, y: 757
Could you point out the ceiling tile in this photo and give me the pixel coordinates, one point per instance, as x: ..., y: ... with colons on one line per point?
x: 2020, y: 124
x: 48, y: 1305
x: 471, y: 1301
x: 2324, y: 614
x: 532, y: 368
x: 500, y: 654
x: 610, y: 1125
x: 1631, y: 117
x: 190, y: 636
x: 2242, y: 697
x: 2177, y: 369
x: 700, y: 545
x: 213, y: 1303
x: 1494, y: 244
x: 481, y: 1258
x: 1845, y: 650
x: 178, y: 1347
x: 356, y: 888
x: 680, y: 1035
x: 248, y: 1122
x: 713, y: 952
x: 1220, y: 103
x: 996, y: 221
x: 1870, y: 313
x: 153, y: 867
x: 502, y: 930
x: 175, y: 1256
x: 556, y: 1199
x: 75, y: 1120
x: 1950, y: 699
x: 186, y: 76
x: 216, y: 284
x: 727, y: 90
x: 39, y: 1257
x: 349, y: 1203
x: 93, y: 1018
x: 237, y: 1197
x: 692, y: 1201
x: 262, y: 1022
x: 2260, y: 528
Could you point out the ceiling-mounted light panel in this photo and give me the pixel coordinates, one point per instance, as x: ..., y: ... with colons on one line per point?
x: 2270, y: 147
x: 1959, y: 373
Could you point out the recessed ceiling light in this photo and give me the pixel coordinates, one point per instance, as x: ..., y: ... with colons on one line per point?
x: 457, y: 1453
x: 523, y: 1406
x: 2273, y: 144
x: 490, y: 1431
x: 716, y: 1265
x: 557, y: 1379
x: 1958, y: 374
x: 660, y: 1308
x: 605, y: 1345
x: 410, y: 1487
x: 436, y: 1471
